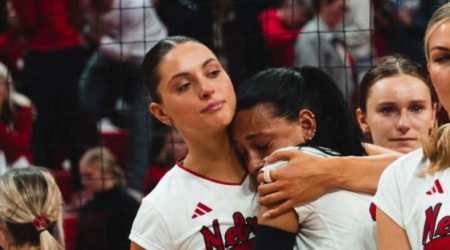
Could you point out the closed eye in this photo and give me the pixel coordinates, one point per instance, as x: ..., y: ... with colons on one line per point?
x: 184, y: 87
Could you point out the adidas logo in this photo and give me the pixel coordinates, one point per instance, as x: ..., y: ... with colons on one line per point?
x: 201, y: 210
x: 436, y: 188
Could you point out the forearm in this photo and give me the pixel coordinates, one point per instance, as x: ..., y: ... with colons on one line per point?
x: 286, y: 222
x: 361, y: 174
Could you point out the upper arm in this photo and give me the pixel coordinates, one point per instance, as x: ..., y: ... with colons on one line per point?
x: 135, y: 246
x: 390, y: 234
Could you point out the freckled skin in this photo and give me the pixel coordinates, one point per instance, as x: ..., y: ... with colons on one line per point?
x: 399, y: 107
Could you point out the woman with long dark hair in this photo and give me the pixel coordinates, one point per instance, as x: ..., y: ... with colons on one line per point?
x: 302, y: 109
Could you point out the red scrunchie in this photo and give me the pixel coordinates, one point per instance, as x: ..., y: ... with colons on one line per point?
x: 40, y: 222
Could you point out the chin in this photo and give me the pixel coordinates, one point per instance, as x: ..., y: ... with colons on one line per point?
x: 407, y: 149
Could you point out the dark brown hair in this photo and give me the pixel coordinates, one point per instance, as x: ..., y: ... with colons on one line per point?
x: 388, y: 67
x: 150, y: 66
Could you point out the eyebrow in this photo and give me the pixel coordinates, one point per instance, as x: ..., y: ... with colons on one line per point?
x: 440, y: 48
x: 394, y: 103
x: 186, y: 73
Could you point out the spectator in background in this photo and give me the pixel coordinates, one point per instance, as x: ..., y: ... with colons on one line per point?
x: 321, y: 44
x: 403, y: 24
x: 396, y: 104
x: 280, y: 27
x: 30, y: 210
x: 123, y: 31
x: 231, y: 29
x: 105, y: 221
x: 52, y: 67
x: 174, y: 149
x: 15, y: 121
x: 358, y: 34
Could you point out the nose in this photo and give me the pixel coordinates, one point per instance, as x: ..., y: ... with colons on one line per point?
x: 404, y: 123
x: 206, y: 90
x: 254, y: 164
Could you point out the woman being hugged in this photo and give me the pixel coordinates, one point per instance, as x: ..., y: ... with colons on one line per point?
x: 207, y: 201
x: 302, y: 109
x: 30, y: 210
x: 413, y: 193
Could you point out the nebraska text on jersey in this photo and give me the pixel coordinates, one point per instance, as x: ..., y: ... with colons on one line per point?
x: 188, y: 211
x: 418, y: 204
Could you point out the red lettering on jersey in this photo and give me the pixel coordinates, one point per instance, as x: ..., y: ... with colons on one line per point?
x: 241, y: 230
x: 213, y: 239
x: 430, y: 222
x: 236, y: 238
x: 443, y: 226
x: 441, y: 243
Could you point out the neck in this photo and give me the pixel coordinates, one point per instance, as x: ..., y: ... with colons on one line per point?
x: 326, y: 20
x: 215, y: 157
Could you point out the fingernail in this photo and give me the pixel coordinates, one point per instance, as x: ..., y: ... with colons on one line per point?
x: 266, y: 215
x: 265, y: 158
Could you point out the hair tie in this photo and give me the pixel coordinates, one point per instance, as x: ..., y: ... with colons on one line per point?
x: 40, y: 223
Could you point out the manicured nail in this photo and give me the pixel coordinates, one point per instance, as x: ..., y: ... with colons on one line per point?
x: 266, y: 215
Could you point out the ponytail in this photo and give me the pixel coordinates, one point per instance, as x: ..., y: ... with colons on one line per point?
x: 31, y: 209
x: 437, y: 149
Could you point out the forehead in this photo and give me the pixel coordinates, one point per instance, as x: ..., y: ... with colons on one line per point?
x: 252, y: 120
x: 441, y: 35
x: 400, y: 87
x: 184, y: 58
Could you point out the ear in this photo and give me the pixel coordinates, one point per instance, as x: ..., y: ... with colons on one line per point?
x: 307, y: 121
x: 428, y: 67
x: 158, y: 111
x: 362, y: 120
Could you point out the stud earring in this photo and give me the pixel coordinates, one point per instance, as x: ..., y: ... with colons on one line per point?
x: 167, y: 122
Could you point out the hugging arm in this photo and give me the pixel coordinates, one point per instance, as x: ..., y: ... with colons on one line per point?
x: 306, y: 177
x: 276, y: 232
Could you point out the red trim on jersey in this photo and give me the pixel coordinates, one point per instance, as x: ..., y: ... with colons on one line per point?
x: 373, y: 211
x: 209, y: 179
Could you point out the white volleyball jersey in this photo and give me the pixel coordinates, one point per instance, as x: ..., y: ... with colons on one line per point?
x: 187, y: 211
x: 339, y: 220
x: 420, y: 205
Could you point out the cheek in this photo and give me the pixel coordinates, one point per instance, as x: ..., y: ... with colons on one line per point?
x: 422, y: 123
x: 440, y: 77
x: 380, y: 127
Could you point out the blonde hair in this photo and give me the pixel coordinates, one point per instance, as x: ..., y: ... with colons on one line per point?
x: 437, y: 146
x: 439, y: 17
x: 27, y: 194
x: 102, y: 159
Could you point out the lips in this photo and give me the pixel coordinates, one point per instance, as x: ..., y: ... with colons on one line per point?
x: 214, y: 106
x: 404, y: 139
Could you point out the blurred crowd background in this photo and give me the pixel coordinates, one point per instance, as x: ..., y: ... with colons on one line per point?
x: 71, y: 97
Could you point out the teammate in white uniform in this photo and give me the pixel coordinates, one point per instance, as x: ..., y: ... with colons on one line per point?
x: 413, y: 194
x: 416, y: 203
x: 208, y: 200
x: 340, y: 219
x: 286, y: 107
x: 190, y: 211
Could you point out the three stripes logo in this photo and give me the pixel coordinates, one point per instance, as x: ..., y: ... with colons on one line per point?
x: 201, y: 210
x: 436, y: 188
